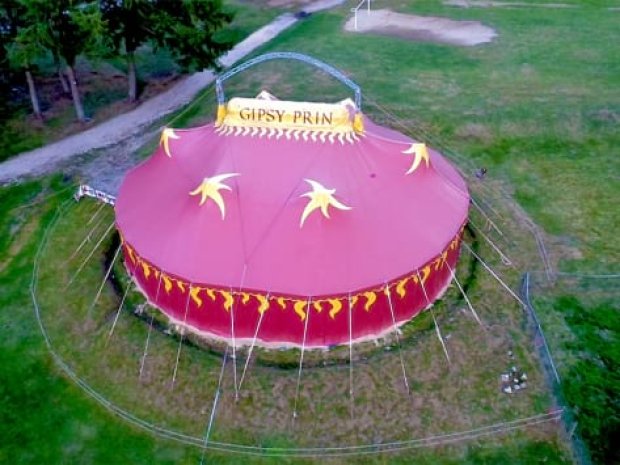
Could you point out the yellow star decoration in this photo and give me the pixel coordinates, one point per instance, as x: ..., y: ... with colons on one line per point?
x: 166, y: 135
x: 420, y: 153
x: 320, y: 197
x: 209, y: 188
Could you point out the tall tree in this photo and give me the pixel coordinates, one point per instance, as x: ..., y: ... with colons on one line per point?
x: 188, y: 28
x: 67, y: 28
x: 190, y: 31
x: 127, y: 23
x: 22, y: 52
x: 19, y: 48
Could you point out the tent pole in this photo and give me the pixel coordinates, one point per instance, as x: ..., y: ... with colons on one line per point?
x: 397, y: 332
x: 176, y: 364
x: 247, y: 361
x: 301, y: 359
x: 471, y: 307
x: 148, y: 334
x: 437, y: 331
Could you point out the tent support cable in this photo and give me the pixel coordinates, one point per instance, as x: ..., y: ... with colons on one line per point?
x: 85, y: 240
x: 150, y: 330
x: 105, y: 278
x: 247, y: 361
x: 499, y: 280
x: 351, y: 356
x: 397, y: 332
x: 176, y: 364
x: 437, y: 330
x: 105, y: 233
x: 301, y: 359
x: 213, y: 408
x: 471, y: 307
x: 505, y: 260
x: 120, y: 308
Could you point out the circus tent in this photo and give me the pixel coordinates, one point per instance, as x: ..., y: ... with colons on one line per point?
x: 291, y: 224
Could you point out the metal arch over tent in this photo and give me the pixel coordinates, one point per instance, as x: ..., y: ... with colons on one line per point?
x: 291, y: 223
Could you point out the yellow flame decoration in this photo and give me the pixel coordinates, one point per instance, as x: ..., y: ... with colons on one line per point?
x: 420, y: 153
x: 281, y: 302
x: 156, y: 272
x: 211, y: 294
x: 400, y: 288
x: 166, y: 135
x: 181, y: 285
x: 228, y: 300
x: 354, y: 300
x: 146, y: 269
x: 299, y: 309
x: 167, y: 283
x: 317, y: 306
x: 426, y: 271
x: 371, y: 297
x: 264, y: 303
x: 132, y: 257
x: 336, y: 307
x: 194, y: 293
x: 245, y: 297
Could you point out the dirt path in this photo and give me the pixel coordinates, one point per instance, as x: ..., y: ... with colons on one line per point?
x: 131, y: 124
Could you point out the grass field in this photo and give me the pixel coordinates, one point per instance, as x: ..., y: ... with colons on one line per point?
x: 539, y: 107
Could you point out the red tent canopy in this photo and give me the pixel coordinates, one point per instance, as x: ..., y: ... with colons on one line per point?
x: 291, y: 223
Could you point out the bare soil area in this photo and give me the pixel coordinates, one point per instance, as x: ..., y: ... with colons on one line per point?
x: 422, y: 28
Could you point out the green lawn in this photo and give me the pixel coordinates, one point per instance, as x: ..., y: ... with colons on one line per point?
x: 539, y: 107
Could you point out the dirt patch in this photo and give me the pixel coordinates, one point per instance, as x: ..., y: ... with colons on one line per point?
x: 421, y: 28
x: 492, y: 4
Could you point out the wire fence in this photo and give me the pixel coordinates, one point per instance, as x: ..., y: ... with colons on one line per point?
x: 448, y: 438
x: 573, y: 282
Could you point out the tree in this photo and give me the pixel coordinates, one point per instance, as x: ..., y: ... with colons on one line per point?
x: 187, y: 28
x: 66, y: 28
x: 127, y: 23
x: 19, y: 48
x: 189, y: 31
x: 22, y: 53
